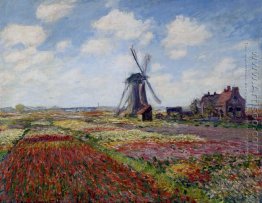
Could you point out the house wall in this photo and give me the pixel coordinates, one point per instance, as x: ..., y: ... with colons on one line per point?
x: 208, y: 100
x: 236, y: 106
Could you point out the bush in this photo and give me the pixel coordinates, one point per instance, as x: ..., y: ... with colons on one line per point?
x: 215, y: 124
x: 20, y: 108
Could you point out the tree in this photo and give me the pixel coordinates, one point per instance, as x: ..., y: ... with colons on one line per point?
x: 210, y: 108
x: 195, y: 106
x: 20, y: 108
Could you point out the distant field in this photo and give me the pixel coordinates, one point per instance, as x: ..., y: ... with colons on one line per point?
x: 96, y: 157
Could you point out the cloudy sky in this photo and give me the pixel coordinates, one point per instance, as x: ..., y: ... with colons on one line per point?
x: 76, y: 52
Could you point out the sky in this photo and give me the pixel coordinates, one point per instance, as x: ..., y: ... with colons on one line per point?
x: 77, y: 52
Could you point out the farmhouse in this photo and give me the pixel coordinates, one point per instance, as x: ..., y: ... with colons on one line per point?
x: 228, y: 103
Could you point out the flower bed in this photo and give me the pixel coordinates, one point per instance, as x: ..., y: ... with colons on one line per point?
x: 114, y: 139
x: 101, y: 129
x: 3, y: 127
x: 41, y: 123
x: 86, y: 127
x: 71, y: 171
x: 50, y: 130
x: 49, y: 164
x: 149, y: 149
x: 48, y: 138
x: 7, y: 137
x: 233, y: 178
x: 74, y: 124
x: 190, y: 171
x: 235, y: 184
x: 225, y: 178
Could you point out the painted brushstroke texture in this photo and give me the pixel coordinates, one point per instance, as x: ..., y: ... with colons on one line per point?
x: 60, y: 51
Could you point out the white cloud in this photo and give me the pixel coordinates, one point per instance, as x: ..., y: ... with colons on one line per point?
x: 111, y: 3
x: 14, y: 56
x: 27, y: 35
x: 6, y: 77
x: 54, y: 11
x: 194, y: 82
x: 202, y: 56
x: 146, y: 38
x: 164, y: 86
x: 97, y: 46
x: 223, y: 73
x: 245, y: 43
x: 63, y: 45
x: 181, y: 33
x: 115, y: 30
x: 26, y: 58
x: 225, y: 65
x: 33, y: 77
x: 124, y: 26
x: 80, y: 83
x: 26, y: 75
x: 177, y: 53
x: 156, y: 67
x: 125, y: 64
x: 20, y: 59
x: 185, y: 31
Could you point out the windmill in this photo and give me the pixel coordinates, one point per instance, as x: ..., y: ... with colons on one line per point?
x: 135, y: 90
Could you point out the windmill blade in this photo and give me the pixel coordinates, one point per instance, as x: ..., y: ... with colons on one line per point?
x: 153, y: 93
x: 127, y: 99
x: 136, y: 60
x: 135, y: 57
x: 122, y: 97
x: 146, y: 62
x: 123, y: 94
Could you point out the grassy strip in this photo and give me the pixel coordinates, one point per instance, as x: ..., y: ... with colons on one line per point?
x: 2, y: 155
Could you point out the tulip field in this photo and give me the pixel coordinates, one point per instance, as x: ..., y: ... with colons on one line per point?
x: 66, y: 157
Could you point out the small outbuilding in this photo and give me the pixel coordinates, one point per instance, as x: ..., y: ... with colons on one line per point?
x: 145, y: 113
x: 174, y: 110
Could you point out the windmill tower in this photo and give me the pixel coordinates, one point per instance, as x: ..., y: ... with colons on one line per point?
x: 135, y: 89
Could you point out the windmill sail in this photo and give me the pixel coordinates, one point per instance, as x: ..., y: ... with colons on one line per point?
x: 136, y: 60
x: 122, y: 97
x: 142, y: 94
x: 146, y: 62
x: 153, y: 93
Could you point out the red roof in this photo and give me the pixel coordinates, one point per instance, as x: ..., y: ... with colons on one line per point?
x: 223, y: 98
x: 143, y: 110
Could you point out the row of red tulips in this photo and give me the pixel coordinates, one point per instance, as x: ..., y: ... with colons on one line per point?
x: 56, y: 168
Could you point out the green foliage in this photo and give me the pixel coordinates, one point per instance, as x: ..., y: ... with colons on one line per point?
x: 2, y: 155
x: 209, y: 108
x: 20, y: 108
x: 195, y: 106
